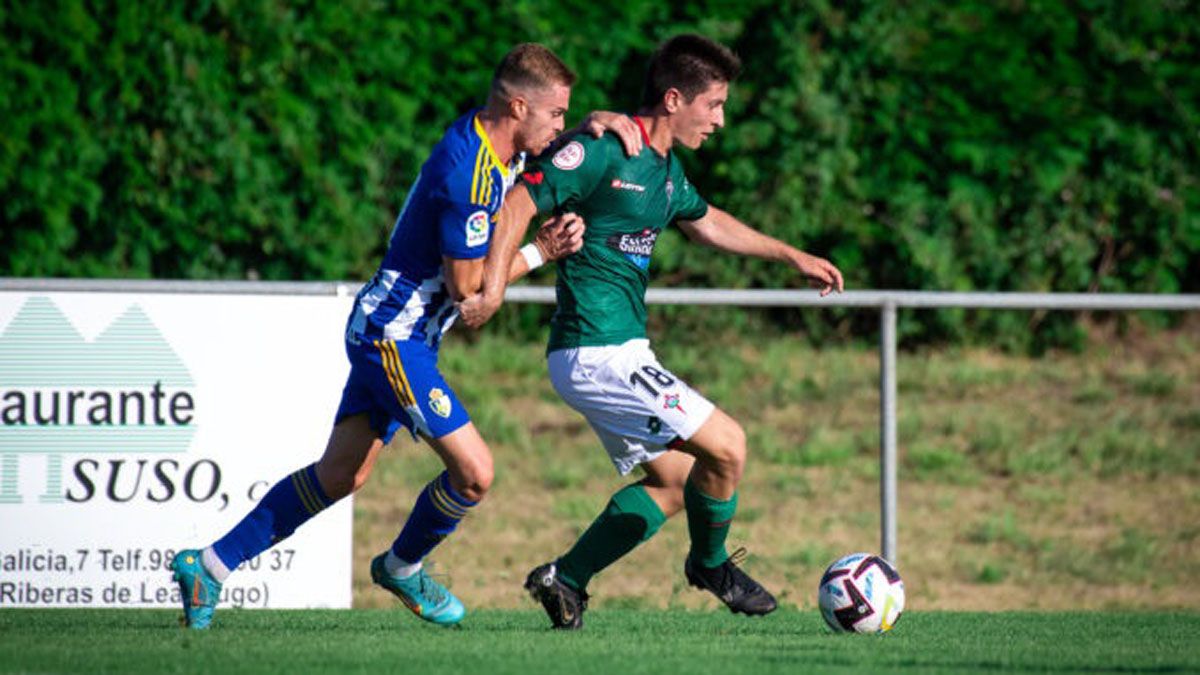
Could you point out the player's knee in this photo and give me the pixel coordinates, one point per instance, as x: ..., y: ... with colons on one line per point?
x: 360, y: 478
x: 730, y: 453
x: 671, y: 502
x: 475, y: 480
x: 339, y: 479
x: 336, y: 486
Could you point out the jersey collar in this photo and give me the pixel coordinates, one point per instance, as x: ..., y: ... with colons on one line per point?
x: 646, y: 136
x: 642, y: 128
x: 487, y: 143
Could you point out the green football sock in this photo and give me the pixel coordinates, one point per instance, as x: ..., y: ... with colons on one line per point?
x: 708, y: 523
x: 630, y: 518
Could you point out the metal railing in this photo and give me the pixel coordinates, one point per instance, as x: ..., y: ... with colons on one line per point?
x: 887, y: 302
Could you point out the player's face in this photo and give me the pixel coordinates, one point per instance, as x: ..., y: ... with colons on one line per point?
x: 695, y: 121
x: 546, y: 114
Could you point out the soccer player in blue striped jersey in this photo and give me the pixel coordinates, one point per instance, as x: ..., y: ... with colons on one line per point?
x: 434, y: 259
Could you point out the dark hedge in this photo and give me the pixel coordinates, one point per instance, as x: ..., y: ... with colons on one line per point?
x: 979, y: 145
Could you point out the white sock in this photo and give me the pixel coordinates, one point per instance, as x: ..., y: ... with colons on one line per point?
x: 212, y: 563
x: 398, y: 568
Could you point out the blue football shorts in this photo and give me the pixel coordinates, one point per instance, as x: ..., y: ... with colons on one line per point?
x: 397, y: 383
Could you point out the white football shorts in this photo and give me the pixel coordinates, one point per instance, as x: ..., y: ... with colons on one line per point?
x: 638, y: 408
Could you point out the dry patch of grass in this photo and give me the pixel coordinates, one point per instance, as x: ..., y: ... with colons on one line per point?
x: 1061, y: 482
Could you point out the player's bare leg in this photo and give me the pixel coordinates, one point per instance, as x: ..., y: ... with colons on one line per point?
x: 468, y: 461
x: 710, y: 497
x: 719, y: 446
x: 349, y: 456
x: 666, y: 475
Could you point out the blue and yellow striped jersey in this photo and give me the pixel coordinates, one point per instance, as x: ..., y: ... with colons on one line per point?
x: 449, y: 212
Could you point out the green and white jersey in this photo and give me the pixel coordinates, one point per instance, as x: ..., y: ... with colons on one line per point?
x: 625, y: 202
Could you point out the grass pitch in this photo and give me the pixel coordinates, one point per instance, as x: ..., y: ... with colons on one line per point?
x: 1068, y: 482
x: 614, y: 641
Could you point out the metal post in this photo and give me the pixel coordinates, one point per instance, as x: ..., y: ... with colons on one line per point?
x: 887, y: 430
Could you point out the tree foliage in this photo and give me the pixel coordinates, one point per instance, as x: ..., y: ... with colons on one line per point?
x: 1016, y: 145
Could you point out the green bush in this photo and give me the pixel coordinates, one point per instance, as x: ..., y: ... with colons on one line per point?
x: 978, y: 145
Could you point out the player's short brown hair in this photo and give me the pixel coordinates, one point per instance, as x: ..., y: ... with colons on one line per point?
x: 689, y: 63
x: 529, y: 66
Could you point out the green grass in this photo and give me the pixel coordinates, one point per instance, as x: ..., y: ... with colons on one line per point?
x: 1065, y: 482
x: 625, y: 641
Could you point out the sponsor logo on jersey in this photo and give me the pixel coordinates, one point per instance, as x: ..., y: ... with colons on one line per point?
x: 477, y: 229
x: 533, y: 177
x: 619, y: 184
x: 570, y: 157
x: 670, y: 189
x: 439, y: 402
x: 636, y: 247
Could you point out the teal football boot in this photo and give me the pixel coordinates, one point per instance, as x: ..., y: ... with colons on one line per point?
x: 198, y: 589
x: 426, y: 598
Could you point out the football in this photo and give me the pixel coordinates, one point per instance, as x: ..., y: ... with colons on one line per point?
x: 861, y: 593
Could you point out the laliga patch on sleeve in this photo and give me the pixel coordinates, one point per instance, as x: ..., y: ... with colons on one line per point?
x: 477, y: 229
x: 570, y: 157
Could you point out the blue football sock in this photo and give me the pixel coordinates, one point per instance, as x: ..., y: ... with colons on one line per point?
x: 287, y: 506
x: 433, y: 518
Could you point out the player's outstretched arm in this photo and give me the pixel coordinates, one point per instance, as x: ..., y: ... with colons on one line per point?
x: 511, y: 224
x: 723, y: 232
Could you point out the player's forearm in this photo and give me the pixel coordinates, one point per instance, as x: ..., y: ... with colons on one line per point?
x: 463, y: 277
x: 510, y: 229
x: 722, y: 231
x: 518, y: 268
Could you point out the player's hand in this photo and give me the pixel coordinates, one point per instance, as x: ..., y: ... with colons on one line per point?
x: 599, y: 121
x: 820, y: 272
x: 560, y: 236
x: 475, y: 310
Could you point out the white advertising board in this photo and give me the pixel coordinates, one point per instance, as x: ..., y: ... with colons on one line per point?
x: 135, y: 425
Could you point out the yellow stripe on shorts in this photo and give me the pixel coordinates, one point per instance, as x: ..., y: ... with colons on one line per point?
x: 412, y: 400
x: 390, y: 367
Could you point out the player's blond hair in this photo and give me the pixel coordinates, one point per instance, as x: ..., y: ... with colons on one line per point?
x: 529, y: 66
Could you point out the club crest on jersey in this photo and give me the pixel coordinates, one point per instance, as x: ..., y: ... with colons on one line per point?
x: 671, y: 402
x: 439, y: 402
x: 636, y: 247
x: 477, y: 229
x: 570, y: 157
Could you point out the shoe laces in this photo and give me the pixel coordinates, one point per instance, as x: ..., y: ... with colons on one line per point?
x: 731, y: 575
x: 738, y: 556
x: 430, y: 587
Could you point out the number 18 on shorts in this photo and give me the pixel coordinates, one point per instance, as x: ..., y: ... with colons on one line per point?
x: 637, y: 407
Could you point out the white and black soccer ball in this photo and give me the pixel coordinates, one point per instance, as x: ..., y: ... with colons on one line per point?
x: 861, y: 593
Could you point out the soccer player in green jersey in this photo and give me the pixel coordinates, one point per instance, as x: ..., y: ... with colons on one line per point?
x: 601, y: 364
